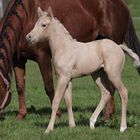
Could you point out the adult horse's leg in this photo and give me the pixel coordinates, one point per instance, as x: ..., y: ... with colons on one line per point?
x: 109, y: 109
x: 44, y: 62
x: 19, y: 70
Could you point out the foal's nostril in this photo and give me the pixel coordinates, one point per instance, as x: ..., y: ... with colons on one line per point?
x: 28, y: 37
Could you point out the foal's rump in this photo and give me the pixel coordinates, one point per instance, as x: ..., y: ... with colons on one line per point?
x: 113, y: 56
x: 93, y: 55
x: 104, y: 53
x: 114, y: 52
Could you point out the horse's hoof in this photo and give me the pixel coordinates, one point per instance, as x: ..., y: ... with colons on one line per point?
x: 92, y: 127
x: 72, y: 125
x: 122, y: 129
x: 20, y: 117
x: 92, y: 124
x: 48, y: 131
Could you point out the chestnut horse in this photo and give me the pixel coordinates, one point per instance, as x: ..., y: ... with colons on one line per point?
x: 97, y: 19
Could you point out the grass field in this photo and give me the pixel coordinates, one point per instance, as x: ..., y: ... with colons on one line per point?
x: 85, y: 98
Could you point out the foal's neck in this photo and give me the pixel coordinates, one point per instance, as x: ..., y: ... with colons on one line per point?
x: 59, y: 37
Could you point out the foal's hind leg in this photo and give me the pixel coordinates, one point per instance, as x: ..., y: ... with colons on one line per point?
x: 124, y: 99
x: 68, y: 101
x: 109, y: 108
x: 114, y: 75
x: 105, y: 95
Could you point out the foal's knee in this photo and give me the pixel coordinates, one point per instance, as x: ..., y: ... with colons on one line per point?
x: 55, y: 104
x: 124, y: 95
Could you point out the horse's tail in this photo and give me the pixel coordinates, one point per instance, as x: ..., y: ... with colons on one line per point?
x: 133, y: 55
x: 131, y: 38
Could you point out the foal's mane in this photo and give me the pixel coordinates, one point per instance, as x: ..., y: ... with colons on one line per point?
x: 66, y: 32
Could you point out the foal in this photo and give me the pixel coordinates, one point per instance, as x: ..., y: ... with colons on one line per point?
x: 74, y: 59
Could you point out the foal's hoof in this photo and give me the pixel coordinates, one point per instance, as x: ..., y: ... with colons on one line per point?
x: 122, y: 129
x: 92, y: 124
x: 48, y: 131
x: 20, y: 117
x: 72, y: 125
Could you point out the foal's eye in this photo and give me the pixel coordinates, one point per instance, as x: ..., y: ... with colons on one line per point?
x: 44, y: 25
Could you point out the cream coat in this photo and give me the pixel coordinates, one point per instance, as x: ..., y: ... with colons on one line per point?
x: 75, y: 59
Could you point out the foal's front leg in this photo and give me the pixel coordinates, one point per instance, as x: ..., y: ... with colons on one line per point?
x: 68, y: 101
x: 60, y: 90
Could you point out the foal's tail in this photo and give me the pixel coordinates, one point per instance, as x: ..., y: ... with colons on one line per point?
x: 133, y: 55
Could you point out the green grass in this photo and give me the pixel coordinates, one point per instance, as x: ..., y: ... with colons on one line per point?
x: 134, y: 7
x: 85, y: 98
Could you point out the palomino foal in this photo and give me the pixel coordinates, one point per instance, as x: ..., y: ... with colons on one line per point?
x: 74, y: 59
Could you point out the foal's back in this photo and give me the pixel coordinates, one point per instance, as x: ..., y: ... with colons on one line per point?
x: 96, y: 54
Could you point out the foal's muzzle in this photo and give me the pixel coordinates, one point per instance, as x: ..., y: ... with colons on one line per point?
x: 28, y: 38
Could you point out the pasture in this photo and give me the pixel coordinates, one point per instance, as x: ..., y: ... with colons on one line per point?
x: 85, y: 98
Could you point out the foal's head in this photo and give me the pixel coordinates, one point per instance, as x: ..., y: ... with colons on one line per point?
x: 40, y: 32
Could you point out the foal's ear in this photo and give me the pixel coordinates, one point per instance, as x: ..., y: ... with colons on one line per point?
x: 40, y: 12
x: 49, y: 12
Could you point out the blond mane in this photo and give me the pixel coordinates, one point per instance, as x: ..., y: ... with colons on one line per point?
x: 63, y: 29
